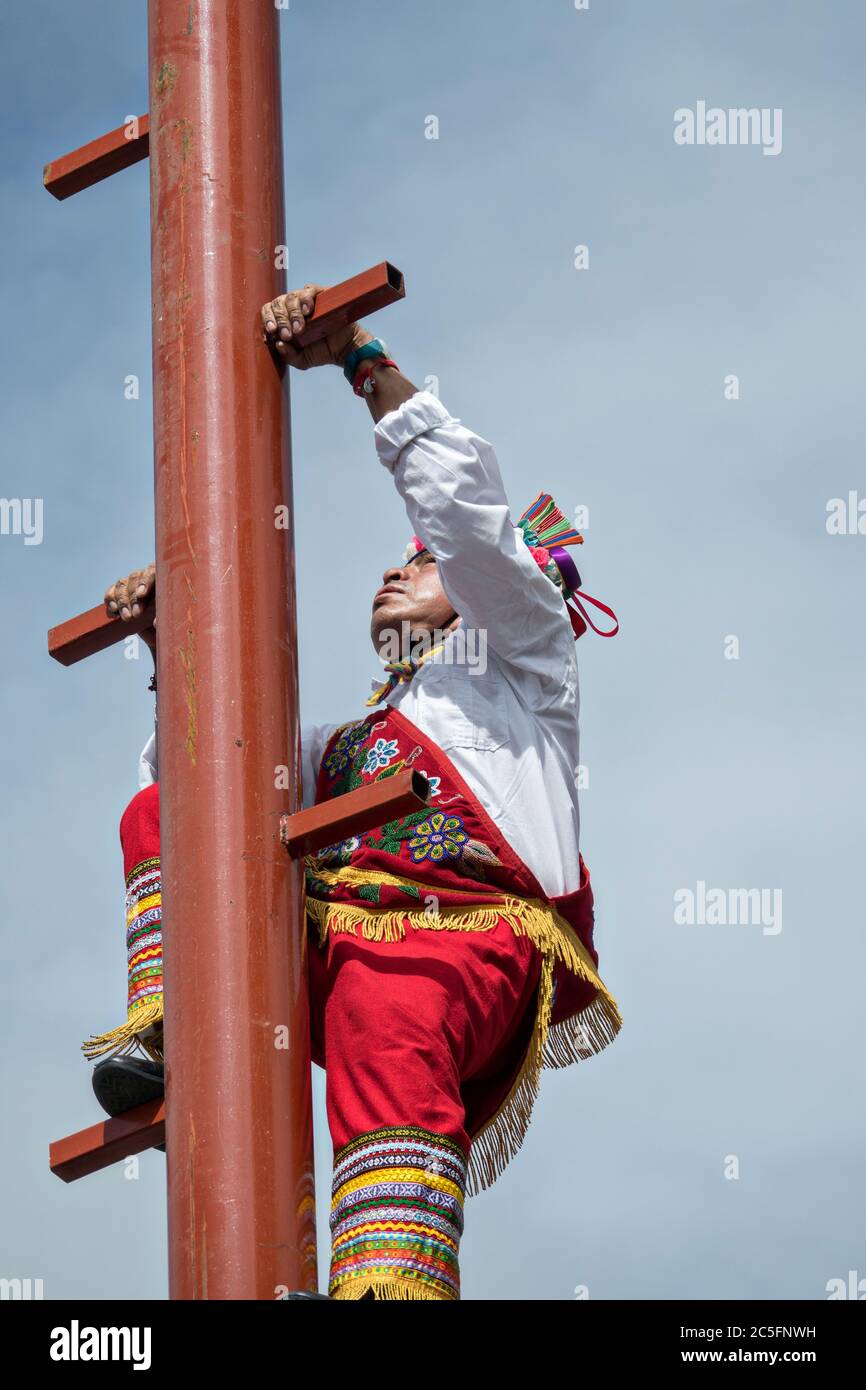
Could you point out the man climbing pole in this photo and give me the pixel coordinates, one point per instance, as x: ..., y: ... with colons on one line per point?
x: 451, y: 952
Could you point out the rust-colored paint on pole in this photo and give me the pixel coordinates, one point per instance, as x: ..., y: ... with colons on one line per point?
x: 239, y: 1128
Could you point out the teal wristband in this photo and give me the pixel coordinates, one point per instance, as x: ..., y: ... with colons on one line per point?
x: 376, y: 348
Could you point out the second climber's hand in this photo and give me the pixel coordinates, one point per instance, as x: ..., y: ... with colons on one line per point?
x: 130, y: 597
x: 284, y: 319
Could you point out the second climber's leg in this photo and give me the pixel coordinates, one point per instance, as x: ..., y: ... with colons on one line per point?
x: 139, y: 837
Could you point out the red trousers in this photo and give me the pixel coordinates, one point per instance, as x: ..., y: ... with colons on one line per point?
x: 429, y: 1030
x: 421, y: 1040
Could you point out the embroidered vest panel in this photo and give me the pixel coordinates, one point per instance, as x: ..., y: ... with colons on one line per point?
x: 446, y: 864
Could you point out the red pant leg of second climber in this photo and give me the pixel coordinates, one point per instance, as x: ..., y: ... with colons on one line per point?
x: 139, y: 838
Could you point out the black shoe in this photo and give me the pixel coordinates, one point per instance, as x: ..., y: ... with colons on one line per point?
x: 122, y: 1083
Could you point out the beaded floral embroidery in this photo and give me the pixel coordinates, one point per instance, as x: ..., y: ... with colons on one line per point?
x: 438, y: 837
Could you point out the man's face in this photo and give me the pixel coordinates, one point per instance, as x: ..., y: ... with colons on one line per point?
x: 410, y: 594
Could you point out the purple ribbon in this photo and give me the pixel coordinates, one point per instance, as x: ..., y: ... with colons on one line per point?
x: 566, y: 566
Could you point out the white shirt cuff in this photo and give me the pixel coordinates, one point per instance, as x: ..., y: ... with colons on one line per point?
x: 417, y: 415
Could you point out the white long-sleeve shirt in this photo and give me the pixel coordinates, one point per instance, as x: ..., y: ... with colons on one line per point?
x: 511, y: 729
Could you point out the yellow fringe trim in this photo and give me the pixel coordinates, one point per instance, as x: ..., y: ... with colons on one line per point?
x: 527, y: 916
x: 126, y: 1039
x: 552, y: 1045
x: 385, y: 1289
x: 350, y: 873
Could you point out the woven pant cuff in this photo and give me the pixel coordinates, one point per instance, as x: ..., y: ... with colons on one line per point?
x: 397, y: 1215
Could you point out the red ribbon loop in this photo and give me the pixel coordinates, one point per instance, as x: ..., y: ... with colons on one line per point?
x: 597, y: 603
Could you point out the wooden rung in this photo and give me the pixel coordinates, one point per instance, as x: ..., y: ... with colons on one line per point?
x: 353, y: 299
x: 108, y: 1142
x: 92, y: 632
x: 349, y: 814
x: 97, y: 160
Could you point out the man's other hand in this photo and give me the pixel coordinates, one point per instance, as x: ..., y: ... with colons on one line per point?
x: 285, y: 318
x: 129, y: 598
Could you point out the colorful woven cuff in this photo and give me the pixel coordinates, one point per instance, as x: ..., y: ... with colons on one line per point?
x: 144, y: 955
x: 397, y: 1215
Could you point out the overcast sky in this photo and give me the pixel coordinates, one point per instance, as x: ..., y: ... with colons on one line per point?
x: 717, y: 1148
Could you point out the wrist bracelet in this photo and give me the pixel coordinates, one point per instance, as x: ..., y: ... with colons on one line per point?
x: 375, y: 348
x: 365, y: 381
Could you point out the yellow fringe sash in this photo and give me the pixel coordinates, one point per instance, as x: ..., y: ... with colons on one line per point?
x: 552, y: 1045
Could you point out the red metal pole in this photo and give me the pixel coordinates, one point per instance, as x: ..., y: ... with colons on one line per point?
x: 239, y: 1133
